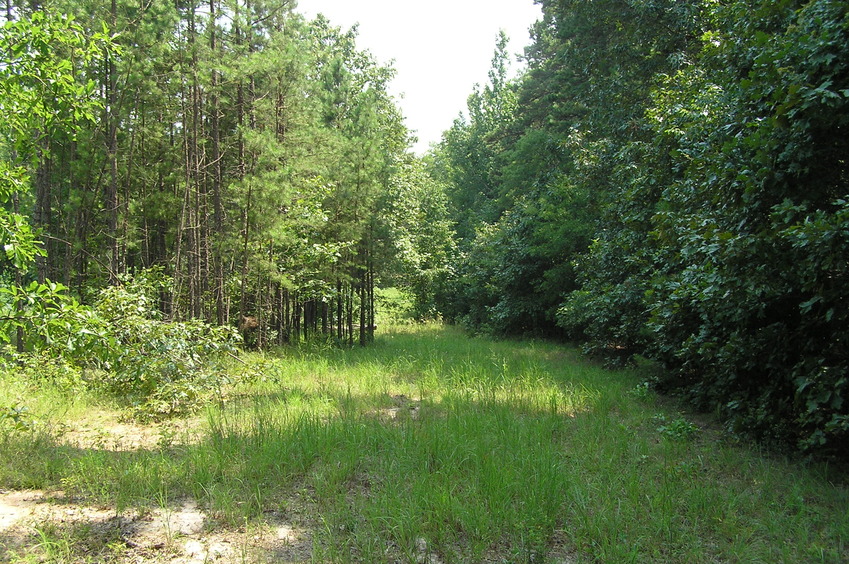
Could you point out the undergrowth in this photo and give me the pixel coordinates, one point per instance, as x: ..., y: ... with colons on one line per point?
x: 433, y: 445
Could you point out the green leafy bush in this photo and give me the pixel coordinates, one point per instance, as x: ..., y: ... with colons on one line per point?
x: 726, y: 255
x: 750, y: 310
x: 162, y: 368
x: 678, y: 429
x: 50, y: 319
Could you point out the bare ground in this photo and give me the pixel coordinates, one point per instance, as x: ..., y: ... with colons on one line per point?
x: 178, y: 534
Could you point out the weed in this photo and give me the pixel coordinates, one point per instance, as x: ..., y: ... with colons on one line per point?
x: 16, y: 417
x: 642, y: 391
x: 677, y: 429
x: 56, y: 547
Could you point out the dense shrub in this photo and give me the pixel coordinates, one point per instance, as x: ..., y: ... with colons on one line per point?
x: 159, y: 368
x: 737, y: 281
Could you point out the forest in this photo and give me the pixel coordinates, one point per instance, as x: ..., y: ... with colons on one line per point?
x: 665, y: 181
x: 603, y: 319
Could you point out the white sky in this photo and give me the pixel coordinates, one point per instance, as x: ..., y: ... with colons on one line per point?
x: 441, y: 48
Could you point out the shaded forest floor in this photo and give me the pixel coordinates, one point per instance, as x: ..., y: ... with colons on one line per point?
x: 429, y: 446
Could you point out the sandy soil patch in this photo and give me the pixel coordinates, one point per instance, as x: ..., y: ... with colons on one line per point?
x: 178, y: 534
x: 402, y: 407
x: 106, y: 431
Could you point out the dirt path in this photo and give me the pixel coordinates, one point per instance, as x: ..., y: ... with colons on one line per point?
x: 177, y: 534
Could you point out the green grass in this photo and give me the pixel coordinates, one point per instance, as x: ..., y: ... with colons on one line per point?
x: 477, y: 449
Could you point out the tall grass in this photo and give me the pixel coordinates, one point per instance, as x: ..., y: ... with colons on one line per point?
x: 469, y: 449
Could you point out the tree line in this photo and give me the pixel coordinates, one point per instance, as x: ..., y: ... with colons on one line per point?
x: 669, y: 179
x: 246, y: 153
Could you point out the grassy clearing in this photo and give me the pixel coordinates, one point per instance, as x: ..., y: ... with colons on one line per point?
x: 433, y: 446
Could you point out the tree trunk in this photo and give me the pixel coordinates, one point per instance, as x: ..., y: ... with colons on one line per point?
x: 42, y: 218
x: 217, y: 175
x: 110, y: 196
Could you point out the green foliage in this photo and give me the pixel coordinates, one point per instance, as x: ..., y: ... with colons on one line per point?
x: 608, y: 313
x: 672, y: 183
x: 161, y: 368
x: 642, y: 391
x: 167, y: 369
x: 677, y: 429
x: 419, y: 236
x: 727, y: 268
x: 42, y: 91
x: 752, y: 234
x: 47, y: 368
x: 20, y: 243
x: 15, y: 417
x: 556, y: 163
x: 395, y: 306
x: 261, y: 192
x: 52, y: 321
